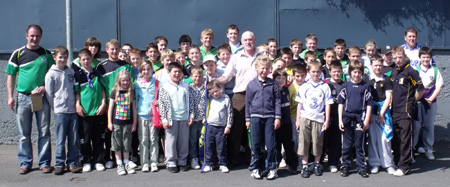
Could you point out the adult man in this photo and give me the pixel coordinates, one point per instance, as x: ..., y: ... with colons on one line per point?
x: 31, y: 62
x: 242, y: 66
x: 407, y: 90
x: 411, y: 47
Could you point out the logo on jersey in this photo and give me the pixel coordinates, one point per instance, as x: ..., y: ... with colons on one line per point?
x: 314, y: 104
x: 44, y: 59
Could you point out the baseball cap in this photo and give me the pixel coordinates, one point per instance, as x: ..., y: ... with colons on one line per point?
x: 209, y: 58
x: 387, y: 49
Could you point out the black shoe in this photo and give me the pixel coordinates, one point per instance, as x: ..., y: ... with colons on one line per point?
x: 305, y: 172
x: 173, y: 169
x: 184, y: 168
x: 292, y: 170
x: 59, y: 171
x: 265, y: 172
x: 344, y: 172
x: 363, y: 173
x: 318, y: 170
x: 75, y: 169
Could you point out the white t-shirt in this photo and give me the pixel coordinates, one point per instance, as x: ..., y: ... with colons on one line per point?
x: 427, y: 76
x: 314, y: 97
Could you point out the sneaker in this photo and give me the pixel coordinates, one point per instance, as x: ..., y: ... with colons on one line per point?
x: 399, y: 173
x: 255, y: 174
x: 86, y: 167
x: 318, y: 170
x: 374, y: 170
x: 99, y: 167
x: 59, y: 170
x: 75, y: 169
x: 121, y: 170
x: 132, y: 164
x: 184, y: 168
x: 24, y: 171
x: 299, y: 168
x: 283, y: 163
x: 46, y: 169
x: 224, y: 169
x: 173, y: 169
x: 154, y: 167
x: 429, y: 155
x: 109, y: 164
x: 420, y: 150
x: 305, y: 172
x: 129, y: 169
x: 145, y: 168
x: 344, y: 172
x: 363, y: 173
x: 272, y: 174
x: 390, y: 170
x: 207, y: 169
x: 194, y: 164
x: 333, y: 169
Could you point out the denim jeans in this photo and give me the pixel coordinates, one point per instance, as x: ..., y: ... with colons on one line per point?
x: 194, y: 136
x: 24, y: 118
x: 263, y: 133
x: 66, y: 126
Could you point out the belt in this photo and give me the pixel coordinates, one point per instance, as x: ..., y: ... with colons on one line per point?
x: 24, y: 93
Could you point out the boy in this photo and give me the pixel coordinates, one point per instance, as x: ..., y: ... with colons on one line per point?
x: 184, y: 43
x: 90, y: 105
x: 207, y: 38
x: 332, y: 138
x: 233, y: 38
x: 176, y: 109
x: 296, y: 46
x: 354, y: 53
x: 313, y: 116
x: 354, y: 116
x: 388, y: 64
x: 427, y: 106
x: 340, y: 47
x: 287, y: 55
x: 136, y: 60
x: 219, y: 120
x: 210, y: 67
x: 167, y: 57
x: 152, y: 53
x: 195, y: 57
x: 330, y: 56
x: 381, y: 129
x: 161, y: 42
x: 311, y: 45
x: 59, y: 83
x: 180, y: 58
x: 310, y: 56
x: 224, y: 54
x: 263, y: 113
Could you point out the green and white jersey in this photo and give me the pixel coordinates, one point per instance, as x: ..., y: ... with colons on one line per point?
x: 90, y: 87
x: 110, y: 70
x: 76, y: 65
x: 31, y: 65
x: 212, y: 51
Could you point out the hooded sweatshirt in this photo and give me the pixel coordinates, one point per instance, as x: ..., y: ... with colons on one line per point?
x: 59, y: 89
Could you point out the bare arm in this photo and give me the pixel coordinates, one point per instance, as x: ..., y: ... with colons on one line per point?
x: 110, y: 114
x: 340, y: 111
x: 435, y: 94
x: 368, y: 115
x: 10, y: 83
x: 419, y: 95
x: 222, y: 80
x: 387, y: 103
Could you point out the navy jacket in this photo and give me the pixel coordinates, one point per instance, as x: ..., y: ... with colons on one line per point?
x: 262, y: 100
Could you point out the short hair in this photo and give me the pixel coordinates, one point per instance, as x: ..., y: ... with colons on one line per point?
x: 93, y: 41
x: 135, y: 51
x: 207, y: 31
x: 370, y: 43
x: 224, y: 46
x: 310, y: 54
x: 279, y: 59
x: 196, y: 69
x: 298, y: 68
x: 34, y: 26
x: 354, y: 49
x: 340, y: 42
x: 424, y: 51
x: 286, y: 51
x: 376, y: 57
x: 336, y: 64
x: 151, y: 45
x: 397, y: 49
x: 314, y: 64
x: 193, y: 47
x: 233, y: 27
x: 261, y: 46
x: 410, y: 29
x: 174, y: 65
x: 179, y: 52
x: 356, y: 65
x: 127, y: 44
x: 84, y: 51
x: 185, y: 38
x: 263, y: 60
x: 122, y: 51
x: 311, y: 36
x: 271, y: 40
x: 167, y: 53
x: 141, y: 67
x: 279, y: 72
x: 213, y: 84
x: 160, y: 38
x: 296, y: 41
x: 329, y: 50
x: 61, y: 50
x: 112, y: 42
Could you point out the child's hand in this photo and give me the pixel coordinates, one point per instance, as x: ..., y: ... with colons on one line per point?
x: 290, y: 78
x: 203, y: 121
x: 381, y: 119
x: 80, y: 110
x: 247, y: 124
x: 110, y: 126
x: 190, y: 122
x: 166, y: 125
x: 277, y: 124
x: 101, y: 110
x: 429, y: 100
x: 133, y: 127
x: 155, y: 102
x: 227, y: 130
x: 297, y: 124
x: 341, y: 126
x: 366, y: 126
x: 325, y: 126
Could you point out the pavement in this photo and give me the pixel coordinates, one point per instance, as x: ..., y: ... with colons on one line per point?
x: 423, y: 173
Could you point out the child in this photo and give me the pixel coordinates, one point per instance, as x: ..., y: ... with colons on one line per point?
x: 310, y: 57
x: 263, y: 49
x: 354, y: 53
x: 263, y: 113
x: 195, y: 58
x: 284, y: 133
x: 197, y: 92
x: 91, y: 105
x: 59, y: 83
x: 233, y: 38
x: 427, y: 106
x: 147, y: 133
x: 224, y: 54
x: 311, y: 45
x: 380, y: 130
x: 161, y: 42
x: 184, y: 43
x: 354, y: 116
x: 219, y: 120
x: 123, y: 56
x: 167, y: 57
x: 273, y: 48
x: 136, y: 60
x: 388, y: 64
x: 127, y: 48
x: 94, y: 46
x: 277, y: 64
x: 330, y: 56
x: 370, y: 47
x: 332, y: 138
x: 296, y: 46
x: 180, y: 58
x: 122, y: 120
x: 340, y: 47
x: 176, y: 109
x: 207, y: 38
x: 210, y: 67
x: 152, y: 54
x: 313, y: 116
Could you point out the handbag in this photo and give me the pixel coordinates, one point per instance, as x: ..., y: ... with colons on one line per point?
x: 155, y: 110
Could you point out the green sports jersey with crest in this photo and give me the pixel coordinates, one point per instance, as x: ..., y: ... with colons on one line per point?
x: 90, y: 87
x: 110, y: 70
x: 76, y: 65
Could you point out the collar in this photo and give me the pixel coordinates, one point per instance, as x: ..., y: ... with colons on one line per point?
x: 411, y: 49
x: 376, y: 78
x: 402, y: 68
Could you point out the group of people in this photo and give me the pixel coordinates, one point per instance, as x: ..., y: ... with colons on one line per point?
x: 213, y: 108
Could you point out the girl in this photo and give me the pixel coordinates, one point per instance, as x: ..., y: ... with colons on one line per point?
x: 94, y: 46
x: 122, y: 118
x: 370, y: 47
x: 273, y: 47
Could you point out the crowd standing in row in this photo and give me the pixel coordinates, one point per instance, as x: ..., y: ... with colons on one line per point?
x: 214, y: 108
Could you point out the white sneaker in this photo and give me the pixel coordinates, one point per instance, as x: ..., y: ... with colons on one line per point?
x: 283, y: 163
x: 374, y: 170
x: 255, y: 174
x: 420, y: 150
x: 399, y: 173
x: 87, y: 167
x: 194, y: 164
x: 129, y: 169
x: 145, y: 168
x: 99, y: 167
x: 121, y: 170
x: 429, y: 155
x: 154, y: 167
x: 132, y: 164
x: 333, y: 169
x: 390, y: 170
x: 109, y: 164
x: 207, y: 169
x: 224, y: 169
x: 272, y: 174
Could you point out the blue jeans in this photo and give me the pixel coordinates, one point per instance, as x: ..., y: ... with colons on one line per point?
x: 24, y: 118
x: 263, y: 133
x: 66, y: 125
x: 216, y: 146
x: 194, y: 136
